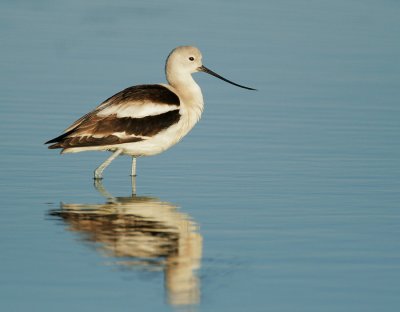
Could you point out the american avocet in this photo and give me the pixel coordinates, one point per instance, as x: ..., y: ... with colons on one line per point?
x: 143, y: 120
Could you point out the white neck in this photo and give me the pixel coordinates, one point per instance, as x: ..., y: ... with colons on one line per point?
x: 186, y: 88
x: 190, y: 97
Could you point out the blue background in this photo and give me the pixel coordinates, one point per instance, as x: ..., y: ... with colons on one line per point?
x: 294, y: 189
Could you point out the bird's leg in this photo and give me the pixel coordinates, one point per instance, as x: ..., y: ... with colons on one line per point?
x: 100, y: 169
x: 133, y: 186
x: 133, y: 175
x: 133, y: 172
x: 102, y: 190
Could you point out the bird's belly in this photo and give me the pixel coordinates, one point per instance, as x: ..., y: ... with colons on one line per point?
x: 159, y: 142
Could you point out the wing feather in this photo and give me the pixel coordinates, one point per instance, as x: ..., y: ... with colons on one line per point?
x: 137, y: 101
x: 132, y: 115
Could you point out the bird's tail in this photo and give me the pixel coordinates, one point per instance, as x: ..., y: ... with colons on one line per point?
x: 59, y: 140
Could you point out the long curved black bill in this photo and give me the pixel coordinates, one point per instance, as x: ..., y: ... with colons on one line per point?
x: 209, y: 71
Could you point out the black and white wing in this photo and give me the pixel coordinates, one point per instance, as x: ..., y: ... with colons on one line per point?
x: 134, y: 114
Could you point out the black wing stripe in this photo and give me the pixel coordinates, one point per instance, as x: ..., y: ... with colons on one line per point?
x: 98, y: 131
x: 152, y: 93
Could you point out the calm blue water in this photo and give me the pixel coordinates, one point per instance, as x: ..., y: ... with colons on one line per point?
x: 285, y: 199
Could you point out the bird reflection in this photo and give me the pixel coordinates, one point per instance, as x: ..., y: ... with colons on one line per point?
x: 144, y: 233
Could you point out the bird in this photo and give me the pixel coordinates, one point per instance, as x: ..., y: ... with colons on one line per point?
x: 143, y: 120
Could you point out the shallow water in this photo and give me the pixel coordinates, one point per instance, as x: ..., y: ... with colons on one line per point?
x: 284, y: 199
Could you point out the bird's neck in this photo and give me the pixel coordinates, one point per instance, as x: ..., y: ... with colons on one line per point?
x: 187, y: 89
x: 180, y: 80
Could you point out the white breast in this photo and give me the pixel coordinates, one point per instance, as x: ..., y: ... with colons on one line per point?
x: 191, y: 108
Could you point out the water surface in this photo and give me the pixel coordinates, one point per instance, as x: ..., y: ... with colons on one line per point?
x: 285, y: 199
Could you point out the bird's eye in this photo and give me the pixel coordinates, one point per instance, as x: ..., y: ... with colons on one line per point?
x: 191, y: 58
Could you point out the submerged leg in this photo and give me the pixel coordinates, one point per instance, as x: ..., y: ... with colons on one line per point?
x: 133, y: 186
x: 100, y: 169
x: 133, y: 175
x: 133, y: 172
